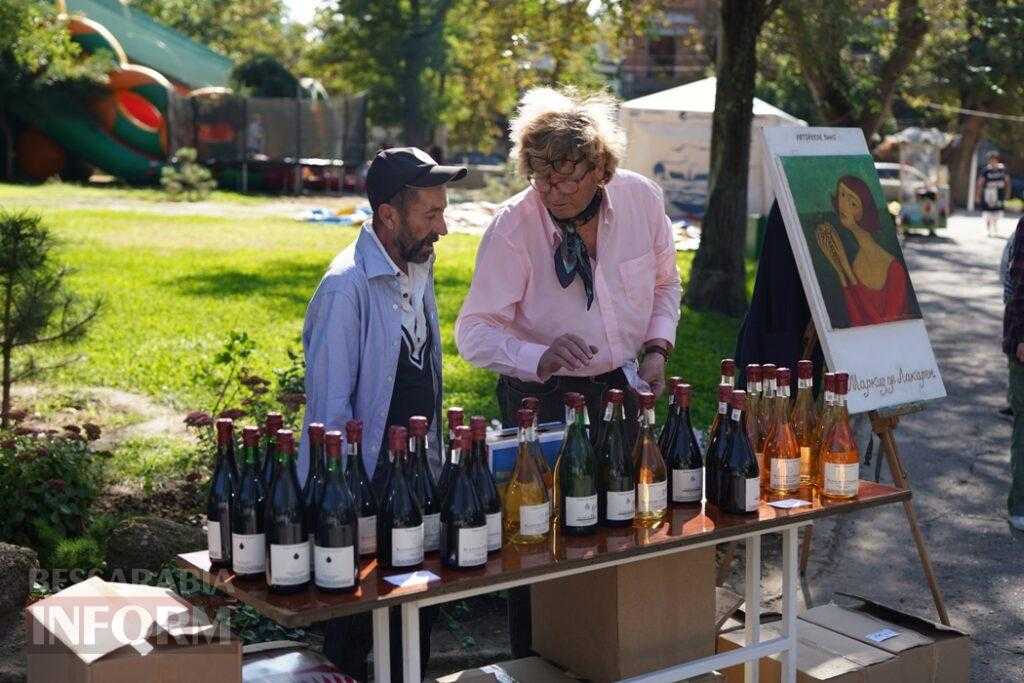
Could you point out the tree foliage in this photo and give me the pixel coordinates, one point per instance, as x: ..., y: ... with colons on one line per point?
x: 264, y: 76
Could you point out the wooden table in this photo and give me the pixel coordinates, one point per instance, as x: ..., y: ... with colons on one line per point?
x: 686, y: 528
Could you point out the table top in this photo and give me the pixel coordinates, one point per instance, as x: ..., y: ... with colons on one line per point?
x: 685, y: 526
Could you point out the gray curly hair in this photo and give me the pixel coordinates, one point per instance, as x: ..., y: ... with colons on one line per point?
x: 566, y: 126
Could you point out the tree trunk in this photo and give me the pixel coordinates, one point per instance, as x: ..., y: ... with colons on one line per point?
x: 971, y: 130
x: 718, y: 279
x: 5, y: 130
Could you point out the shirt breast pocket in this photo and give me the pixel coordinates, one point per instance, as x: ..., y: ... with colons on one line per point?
x: 638, y: 276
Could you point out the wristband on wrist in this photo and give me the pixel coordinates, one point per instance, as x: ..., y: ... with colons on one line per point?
x: 653, y: 348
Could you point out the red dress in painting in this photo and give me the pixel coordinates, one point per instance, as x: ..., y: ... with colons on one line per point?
x: 866, y: 306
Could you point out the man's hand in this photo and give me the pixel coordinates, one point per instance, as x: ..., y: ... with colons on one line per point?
x: 652, y: 371
x: 1020, y: 352
x: 568, y: 351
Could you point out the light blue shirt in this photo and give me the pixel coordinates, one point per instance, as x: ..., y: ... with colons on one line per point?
x: 352, y: 337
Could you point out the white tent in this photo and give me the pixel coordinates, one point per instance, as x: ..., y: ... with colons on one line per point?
x: 669, y: 136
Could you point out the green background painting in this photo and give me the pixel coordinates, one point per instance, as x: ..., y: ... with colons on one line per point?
x: 812, y: 181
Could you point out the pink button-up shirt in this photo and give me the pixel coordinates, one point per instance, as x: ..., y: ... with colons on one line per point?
x: 516, y: 306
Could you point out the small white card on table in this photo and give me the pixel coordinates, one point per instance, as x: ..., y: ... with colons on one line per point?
x: 788, y: 503
x: 412, y: 579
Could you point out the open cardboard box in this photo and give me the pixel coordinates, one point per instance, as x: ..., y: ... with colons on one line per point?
x: 99, y: 632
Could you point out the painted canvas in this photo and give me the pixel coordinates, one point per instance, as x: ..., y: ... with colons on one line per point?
x: 851, y: 239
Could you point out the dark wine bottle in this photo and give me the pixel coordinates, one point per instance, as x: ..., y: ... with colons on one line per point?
x: 617, y: 476
x: 219, y: 500
x: 248, y: 533
x: 336, y: 556
x: 463, y: 540
x: 423, y: 483
x: 314, y: 486
x: 287, y: 540
x: 272, y: 423
x: 359, y: 485
x: 399, y: 520
x: 672, y: 419
x: 742, y: 479
x: 682, y: 453
x: 576, y: 472
x: 716, y: 446
x: 455, y: 419
x: 482, y: 478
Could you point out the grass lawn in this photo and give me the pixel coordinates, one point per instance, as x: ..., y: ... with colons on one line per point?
x: 174, y: 287
x: 64, y: 191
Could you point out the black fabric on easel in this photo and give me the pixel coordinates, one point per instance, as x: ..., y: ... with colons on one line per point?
x: 773, y: 330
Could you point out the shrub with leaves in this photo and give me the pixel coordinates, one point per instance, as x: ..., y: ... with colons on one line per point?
x: 186, y: 178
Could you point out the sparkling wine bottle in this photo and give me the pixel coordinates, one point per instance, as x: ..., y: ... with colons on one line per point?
x: 717, y: 433
x: 754, y: 401
x: 399, y: 519
x: 314, y: 486
x: 533, y: 403
x: 742, y: 481
x: 359, y: 486
x: 463, y: 541
x: 682, y: 454
x: 423, y: 483
x: 616, y: 470
x: 651, y: 472
x: 782, y: 451
x: 672, y: 419
x: 219, y: 500
x: 803, y: 419
x: 840, y: 457
x: 456, y: 415
x: 287, y: 539
x: 576, y: 473
x: 335, y: 551
x: 482, y: 478
x: 526, y: 508
x: 728, y: 372
x: 825, y: 420
x: 271, y: 423
x: 248, y: 532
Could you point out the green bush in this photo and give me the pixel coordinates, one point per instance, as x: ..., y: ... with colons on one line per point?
x: 76, y: 558
x: 185, y: 178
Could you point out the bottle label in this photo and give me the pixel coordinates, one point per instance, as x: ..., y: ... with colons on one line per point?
x: 367, y: 535
x: 784, y: 391
x: 608, y: 413
x: 213, y: 540
x: 494, y: 531
x: 472, y: 546
x: 652, y: 497
x: 621, y: 505
x: 431, y: 531
x: 686, y: 485
x: 289, y: 564
x: 723, y: 408
x: 407, y: 546
x: 752, y: 489
x: 756, y: 387
x: 335, y: 567
x: 248, y: 553
x: 534, y: 520
x: 785, y: 473
x: 804, y: 383
x: 581, y: 511
x: 736, y: 412
x: 842, y: 480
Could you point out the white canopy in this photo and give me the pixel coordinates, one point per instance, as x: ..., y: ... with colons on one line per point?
x: 669, y: 136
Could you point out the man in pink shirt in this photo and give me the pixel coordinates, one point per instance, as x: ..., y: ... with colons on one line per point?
x: 575, y: 277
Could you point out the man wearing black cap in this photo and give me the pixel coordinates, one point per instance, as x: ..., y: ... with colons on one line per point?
x: 373, y: 346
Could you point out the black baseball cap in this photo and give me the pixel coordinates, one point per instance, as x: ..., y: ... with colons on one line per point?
x: 399, y: 167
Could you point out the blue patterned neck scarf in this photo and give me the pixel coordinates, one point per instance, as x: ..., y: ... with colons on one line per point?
x: 571, y: 257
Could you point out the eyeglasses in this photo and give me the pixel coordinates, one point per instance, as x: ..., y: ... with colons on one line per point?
x: 567, y: 180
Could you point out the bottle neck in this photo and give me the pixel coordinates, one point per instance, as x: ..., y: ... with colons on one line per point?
x: 250, y: 455
x: 355, y: 457
x: 316, y: 457
x: 333, y: 465
x: 647, y: 418
x: 418, y: 449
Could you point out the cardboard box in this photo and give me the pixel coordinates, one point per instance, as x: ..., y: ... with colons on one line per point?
x: 526, y: 670
x: 627, y: 620
x: 927, y: 651
x: 98, y: 632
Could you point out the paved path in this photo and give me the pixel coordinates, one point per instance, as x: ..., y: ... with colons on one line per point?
x: 957, y: 457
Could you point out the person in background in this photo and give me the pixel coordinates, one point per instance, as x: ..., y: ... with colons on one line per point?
x: 992, y: 190
x: 373, y: 345
x: 576, y: 276
x: 1013, y: 347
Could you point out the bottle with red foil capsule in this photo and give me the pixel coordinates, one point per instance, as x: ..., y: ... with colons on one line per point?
x: 803, y: 419
x: 287, y: 538
x: 742, y: 479
x: 764, y: 414
x: 576, y: 475
x: 672, y: 419
x: 248, y: 535
x: 483, y: 479
x: 220, y: 499
x: 716, y: 446
x: 840, y: 457
x: 314, y: 486
x: 728, y: 372
x: 782, y: 450
x: 825, y: 419
x: 362, y: 491
x: 456, y: 415
x: 616, y: 502
x: 423, y: 482
x: 533, y: 403
x: 336, y: 537
x: 526, y: 507
x: 651, y: 472
x: 463, y: 542
x: 754, y: 392
x: 399, y: 520
x: 683, y: 457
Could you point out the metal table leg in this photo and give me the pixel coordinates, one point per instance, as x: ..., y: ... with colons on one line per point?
x: 381, y: 646
x: 789, y: 578
x: 752, y: 596
x: 411, y: 643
